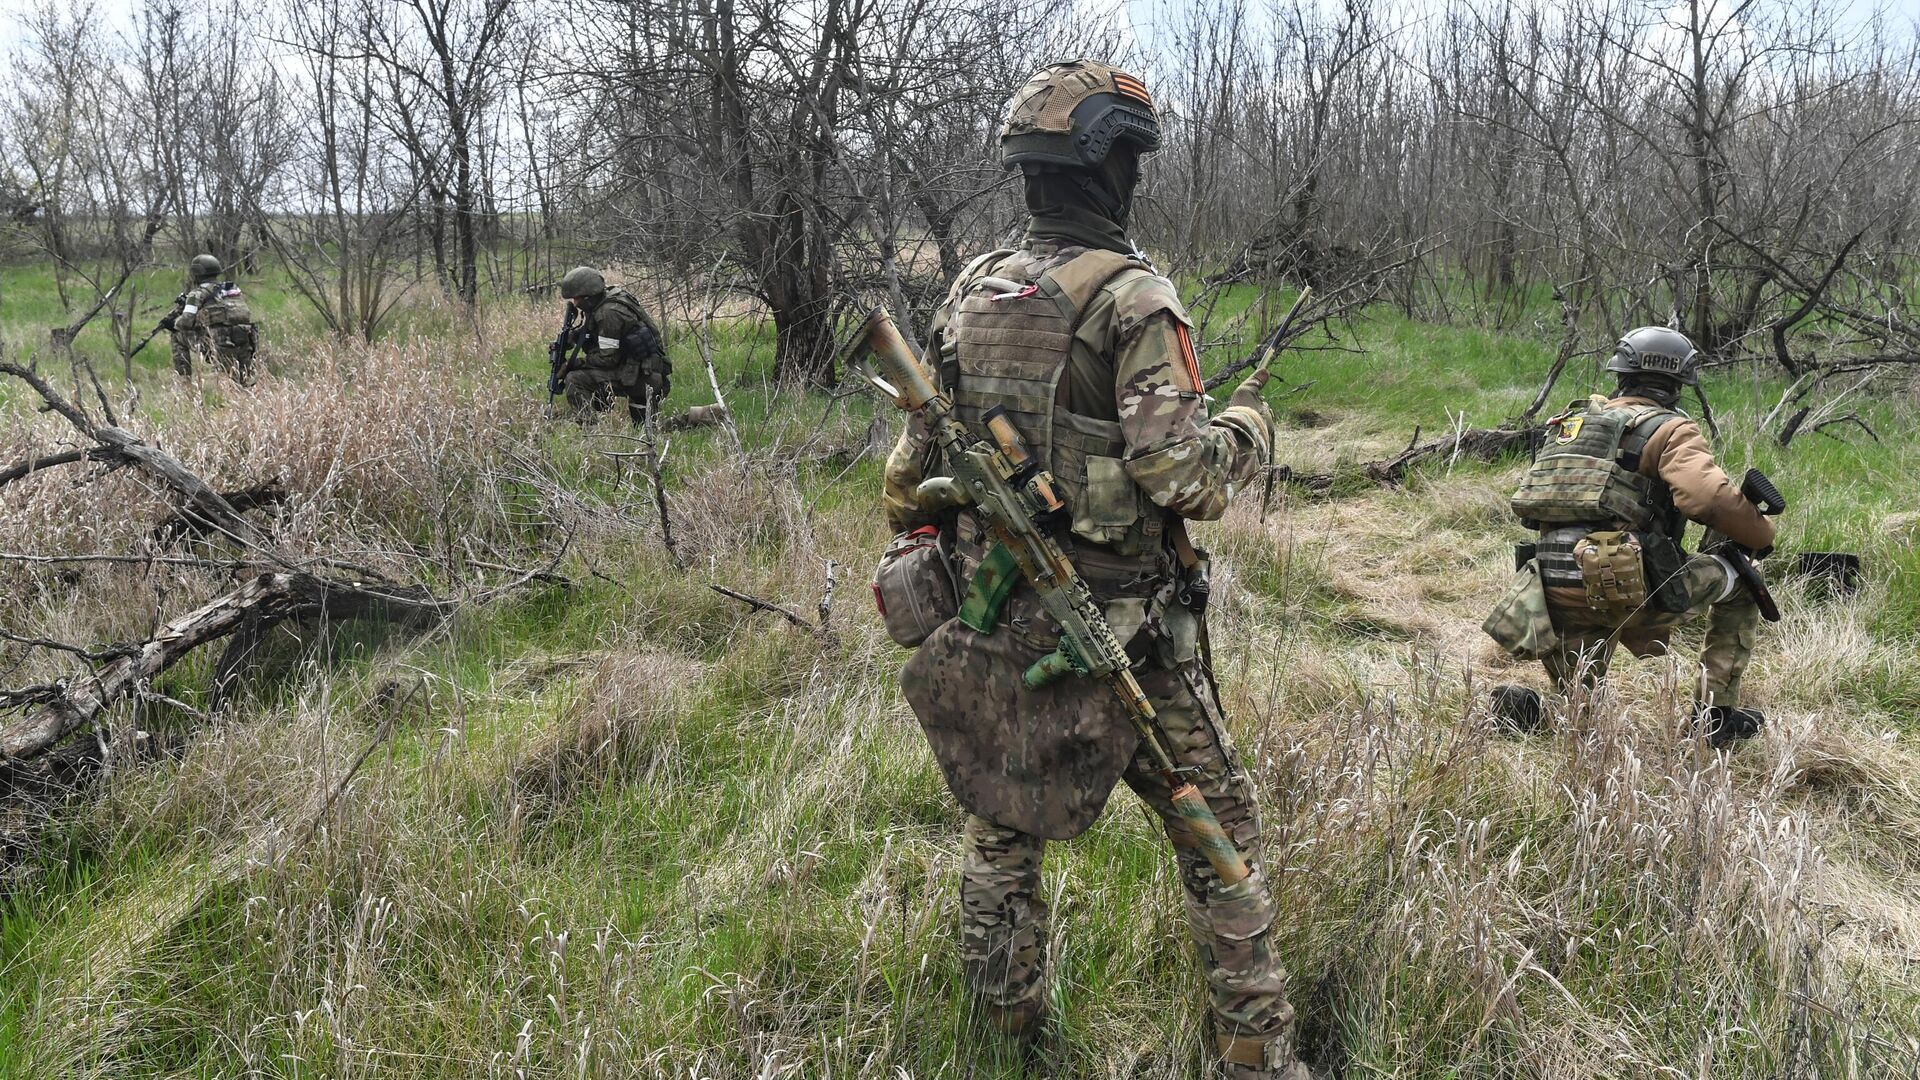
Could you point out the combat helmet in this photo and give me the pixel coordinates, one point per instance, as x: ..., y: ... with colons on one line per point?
x: 1070, y: 114
x: 204, y: 268
x: 1656, y: 350
x: 582, y: 282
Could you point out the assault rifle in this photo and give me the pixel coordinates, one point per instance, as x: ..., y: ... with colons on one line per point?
x: 1767, y: 499
x: 1024, y: 512
x: 558, y: 355
x: 1264, y: 369
x: 156, y: 332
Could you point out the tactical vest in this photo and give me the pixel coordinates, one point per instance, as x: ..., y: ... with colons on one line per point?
x: 1586, y: 478
x: 218, y: 303
x: 1013, y: 349
x: 1586, y: 471
x: 603, y: 351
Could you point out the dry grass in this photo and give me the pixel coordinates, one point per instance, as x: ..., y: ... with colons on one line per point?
x: 633, y: 829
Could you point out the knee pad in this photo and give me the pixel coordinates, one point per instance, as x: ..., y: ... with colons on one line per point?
x: 1729, y: 582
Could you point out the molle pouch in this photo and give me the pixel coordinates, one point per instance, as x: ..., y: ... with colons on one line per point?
x: 235, y: 340
x: 1665, y: 566
x: 1575, y: 487
x: 1613, y: 569
x: 1524, y: 554
x: 914, y: 586
x: 1111, y: 505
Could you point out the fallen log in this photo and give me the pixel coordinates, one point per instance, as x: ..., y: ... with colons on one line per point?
x: 1478, y: 444
x: 201, y: 504
x: 266, y: 598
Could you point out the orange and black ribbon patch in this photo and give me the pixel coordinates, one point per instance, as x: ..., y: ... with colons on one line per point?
x: 1192, y: 362
x: 1132, y: 87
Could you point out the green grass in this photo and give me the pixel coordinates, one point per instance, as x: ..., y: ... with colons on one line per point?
x: 631, y: 823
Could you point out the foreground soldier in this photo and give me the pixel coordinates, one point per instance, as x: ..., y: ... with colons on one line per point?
x: 1087, y: 353
x: 620, y: 349
x: 210, y: 319
x: 1611, y: 491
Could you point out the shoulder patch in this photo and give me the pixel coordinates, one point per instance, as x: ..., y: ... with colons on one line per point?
x: 1140, y: 294
x: 1569, y: 429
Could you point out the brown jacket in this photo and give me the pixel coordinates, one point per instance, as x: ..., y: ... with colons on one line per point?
x: 1679, y: 455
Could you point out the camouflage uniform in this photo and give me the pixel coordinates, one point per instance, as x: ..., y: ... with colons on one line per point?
x: 211, y: 320
x: 620, y: 353
x: 1125, y: 431
x: 1553, y: 621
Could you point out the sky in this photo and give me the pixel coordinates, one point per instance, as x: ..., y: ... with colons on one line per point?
x: 1129, y: 19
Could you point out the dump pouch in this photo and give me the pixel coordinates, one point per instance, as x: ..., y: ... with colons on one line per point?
x: 1041, y: 760
x: 914, y: 586
x: 1520, y: 622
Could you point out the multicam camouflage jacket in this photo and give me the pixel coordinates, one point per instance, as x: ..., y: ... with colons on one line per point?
x: 1120, y: 418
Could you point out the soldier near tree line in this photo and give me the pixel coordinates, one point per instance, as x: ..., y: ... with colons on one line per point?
x: 1076, y: 340
x: 211, y: 320
x: 1611, y: 491
x: 614, y: 349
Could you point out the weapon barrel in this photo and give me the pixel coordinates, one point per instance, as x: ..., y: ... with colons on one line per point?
x: 1213, y: 840
x: 897, y: 361
x: 1273, y: 344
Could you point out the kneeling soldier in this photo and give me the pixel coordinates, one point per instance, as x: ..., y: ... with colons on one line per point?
x: 620, y: 349
x: 1611, y: 491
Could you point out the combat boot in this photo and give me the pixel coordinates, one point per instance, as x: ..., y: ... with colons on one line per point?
x: 1516, y: 708
x: 1723, y: 725
x: 1260, y: 1059
x: 1023, y: 1020
x: 1295, y: 1071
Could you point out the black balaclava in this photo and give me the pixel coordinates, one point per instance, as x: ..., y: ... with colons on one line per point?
x: 1657, y: 388
x: 1085, y: 206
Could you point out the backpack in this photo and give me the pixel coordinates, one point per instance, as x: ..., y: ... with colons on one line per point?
x: 225, y: 306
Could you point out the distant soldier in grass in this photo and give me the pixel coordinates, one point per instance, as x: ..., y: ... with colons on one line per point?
x: 1087, y: 351
x: 1611, y: 491
x: 211, y: 320
x: 616, y: 349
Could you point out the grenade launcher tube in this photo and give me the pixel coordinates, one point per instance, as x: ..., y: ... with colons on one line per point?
x: 1088, y: 646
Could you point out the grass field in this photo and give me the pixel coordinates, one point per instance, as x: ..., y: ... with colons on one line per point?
x: 628, y: 827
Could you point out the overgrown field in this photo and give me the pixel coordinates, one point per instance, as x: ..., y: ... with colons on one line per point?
x: 615, y: 824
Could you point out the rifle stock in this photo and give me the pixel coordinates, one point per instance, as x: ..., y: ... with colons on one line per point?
x: 1767, y: 499
x: 1021, y: 506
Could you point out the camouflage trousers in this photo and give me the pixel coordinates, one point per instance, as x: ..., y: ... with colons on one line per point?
x: 1588, y: 637
x: 1004, y: 922
x: 591, y: 390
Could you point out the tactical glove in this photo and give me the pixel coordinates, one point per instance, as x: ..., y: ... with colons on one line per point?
x: 167, y: 323
x: 1247, y: 394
